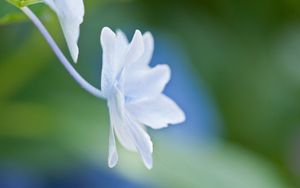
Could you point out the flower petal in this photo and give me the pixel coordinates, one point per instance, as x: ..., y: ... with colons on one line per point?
x: 156, y: 112
x: 112, y: 152
x: 141, y: 140
x: 124, y: 137
x: 122, y: 38
x: 148, y: 52
x: 116, y: 110
x: 70, y: 14
x: 149, y: 48
x: 146, y: 82
x: 143, y: 62
x: 115, y: 47
x: 109, y: 67
x: 130, y: 133
x: 121, y: 47
x: 136, y: 48
x: 121, y: 130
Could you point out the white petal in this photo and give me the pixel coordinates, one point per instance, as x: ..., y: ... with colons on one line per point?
x: 70, y: 14
x: 143, y: 62
x: 108, y: 43
x: 146, y: 82
x: 148, y: 52
x: 122, y: 38
x: 112, y: 152
x: 120, y: 127
x: 156, y: 112
x: 124, y: 137
x: 114, y: 52
x: 121, y: 47
x: 116, y: 109
x: 136, y: 48
x: 142, y: 141
x: 129, y: 132
x: 149, y: 48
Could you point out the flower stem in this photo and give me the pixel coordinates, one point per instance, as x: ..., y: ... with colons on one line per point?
x: 81, y: 81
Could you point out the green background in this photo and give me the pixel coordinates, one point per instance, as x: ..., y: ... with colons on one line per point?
x: 247, y: 53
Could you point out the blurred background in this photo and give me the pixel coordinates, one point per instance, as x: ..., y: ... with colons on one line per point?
x: 235, y: 72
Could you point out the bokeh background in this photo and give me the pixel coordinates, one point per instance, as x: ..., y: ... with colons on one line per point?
x: 235, y: 72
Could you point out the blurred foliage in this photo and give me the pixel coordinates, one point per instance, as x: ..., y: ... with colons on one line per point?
x: 9, y: 14
x: 221, y: 165
x: 247, y: 53
x: 23, y: 3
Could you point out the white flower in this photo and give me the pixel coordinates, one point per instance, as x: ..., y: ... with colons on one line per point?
x: 70, y: 14
x: 134, y: 93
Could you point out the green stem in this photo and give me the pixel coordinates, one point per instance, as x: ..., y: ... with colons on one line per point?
x: 77, y: 77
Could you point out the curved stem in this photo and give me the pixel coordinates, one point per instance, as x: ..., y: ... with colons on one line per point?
x: 81, y: 81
